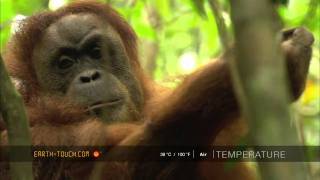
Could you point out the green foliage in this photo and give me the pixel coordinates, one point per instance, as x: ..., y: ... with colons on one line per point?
x: 283, y: 2
x: 6, y: 10
x: 198, y: 5
x: 11, y: 8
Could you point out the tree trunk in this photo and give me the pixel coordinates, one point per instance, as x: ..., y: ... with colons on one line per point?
x: 14, y: 115
x: 260, y: 79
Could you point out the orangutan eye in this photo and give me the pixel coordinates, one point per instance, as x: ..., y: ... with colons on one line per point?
x: 95, y: 52
x: 65, y: 62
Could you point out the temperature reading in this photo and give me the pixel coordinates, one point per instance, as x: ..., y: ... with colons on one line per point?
x: 184, y: 154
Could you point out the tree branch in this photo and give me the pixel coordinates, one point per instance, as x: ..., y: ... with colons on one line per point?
x: 222, y: 27
x: 260, y: 79
x: 14, y: 115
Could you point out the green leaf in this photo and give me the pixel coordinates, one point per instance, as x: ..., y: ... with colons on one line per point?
x: 198, y: 6
x: 281, y: 2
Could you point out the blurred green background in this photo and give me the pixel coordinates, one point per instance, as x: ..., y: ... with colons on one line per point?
x: 177, y: 36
